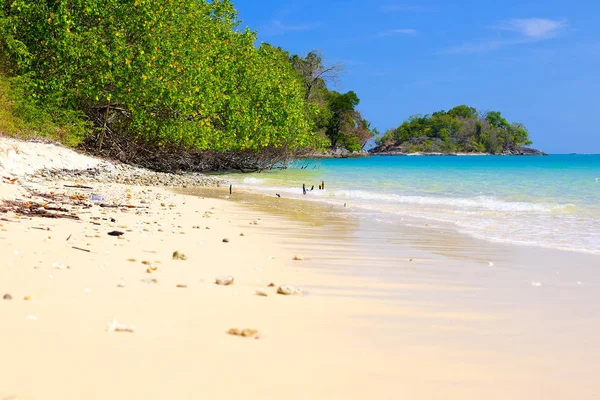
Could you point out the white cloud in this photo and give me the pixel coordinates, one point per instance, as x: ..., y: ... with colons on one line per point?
x: 526, y: 30
x: 535, y: 28
x: 393, y: 32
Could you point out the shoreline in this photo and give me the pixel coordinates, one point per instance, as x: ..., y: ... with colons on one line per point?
x: 68, y: 283
x: 76, y: 287
x: 385, y: 310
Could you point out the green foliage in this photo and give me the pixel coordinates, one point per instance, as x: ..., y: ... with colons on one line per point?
x: 333, y: 115
x: 161, y: 72
x: 20, y: 117
x: 462, y: 129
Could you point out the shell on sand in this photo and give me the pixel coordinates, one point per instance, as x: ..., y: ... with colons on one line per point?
x: 224, y: 280
x: 115, y: 326
x: 179, y: 256
x: 260, y: 292
x: 288, y: 290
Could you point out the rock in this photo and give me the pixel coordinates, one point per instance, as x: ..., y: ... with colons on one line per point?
x: 225, y: 240
x: 241, y: 234
x: 271, y: 284
x: 179, y: 256
x: 7, y: 296
x: 115, y: 233
x: 288, y: 290
x: 243, y: 333
x: 225, y: 280
x: 298, y: 258
x: 261, y: 293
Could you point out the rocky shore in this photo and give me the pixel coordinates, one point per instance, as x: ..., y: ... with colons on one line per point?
x: 338, y: 152
x: 393, y: 150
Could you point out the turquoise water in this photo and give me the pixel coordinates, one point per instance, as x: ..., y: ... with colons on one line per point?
x: 551, y: 201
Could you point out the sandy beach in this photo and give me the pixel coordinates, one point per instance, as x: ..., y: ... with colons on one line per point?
x: 92, y: 316
x: 68, y: 280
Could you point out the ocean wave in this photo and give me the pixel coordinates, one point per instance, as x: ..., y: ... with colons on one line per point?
x: 253, y: 181
x: 480, y: 202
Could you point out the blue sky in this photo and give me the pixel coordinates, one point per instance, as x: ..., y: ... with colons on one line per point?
x: 536, y: 62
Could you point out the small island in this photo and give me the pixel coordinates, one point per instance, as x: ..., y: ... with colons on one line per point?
x: 462, y: 130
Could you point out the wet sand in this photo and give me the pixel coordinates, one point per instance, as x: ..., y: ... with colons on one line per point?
x: 470, y: 318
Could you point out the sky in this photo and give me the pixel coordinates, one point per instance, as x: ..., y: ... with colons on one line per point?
x: 537, y: 62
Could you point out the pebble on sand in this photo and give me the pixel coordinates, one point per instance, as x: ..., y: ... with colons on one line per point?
x: 225, y: 240
x: 224, y: 280
x: 298, y: 257
x: 182, y: 286
x: 288, y: 290
x: 243, y: 332
x: 7, y: 296
x: 179, y: 256
x: 115, y: 233
x: 271, y: 284
x: 151, y: 269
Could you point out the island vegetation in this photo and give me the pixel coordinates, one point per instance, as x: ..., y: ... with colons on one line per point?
x: 462, y: 129
x: 168, y: 85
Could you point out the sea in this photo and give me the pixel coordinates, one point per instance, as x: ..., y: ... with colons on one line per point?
x: 547, y: 201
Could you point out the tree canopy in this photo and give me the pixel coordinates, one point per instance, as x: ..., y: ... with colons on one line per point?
x: 334, y: 115
x: 461, y: 129
x: 178, y: 72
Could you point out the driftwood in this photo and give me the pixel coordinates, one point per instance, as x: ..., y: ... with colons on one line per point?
x: 78, y: 186
x: 32, y: 209
x: 79, y: 248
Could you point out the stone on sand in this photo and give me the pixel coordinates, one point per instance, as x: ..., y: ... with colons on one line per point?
x: 242, y: 332
x: 288, y: 290
x: 225, y: 280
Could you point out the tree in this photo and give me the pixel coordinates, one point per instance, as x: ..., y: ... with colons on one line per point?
x: 163, y: 73
x: 462, y: 128
x: 314, y: 73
